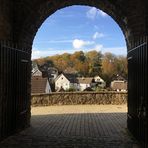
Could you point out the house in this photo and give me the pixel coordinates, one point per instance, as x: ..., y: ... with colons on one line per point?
x: 50, y: 72
x: 40, y: 85
x: 119, y: 84
x: 101, y: 83
x: 35, y: 70
x: 65, y: 81
x: 84, y: 83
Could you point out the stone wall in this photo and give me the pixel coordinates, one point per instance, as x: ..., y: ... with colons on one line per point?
x: 74, y: 98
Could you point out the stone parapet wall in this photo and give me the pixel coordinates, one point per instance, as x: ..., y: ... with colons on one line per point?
x: 74, y: 98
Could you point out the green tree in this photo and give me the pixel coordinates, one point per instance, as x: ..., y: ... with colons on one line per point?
x: 94, y: 59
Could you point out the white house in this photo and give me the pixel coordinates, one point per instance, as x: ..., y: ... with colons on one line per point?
x: 40, y: 85
x: 101, y: 83
x: 65, y: 81
x: 84, y: 83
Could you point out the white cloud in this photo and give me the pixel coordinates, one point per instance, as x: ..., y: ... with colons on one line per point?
x: 94, y: 12
x: 115, y: 50
x: 36, y: 53
x: 54, y: 41
x: 60, y: 41
x: 77, y: 44
x: 101, y: 13
x: 98, y: 47
x: 98, y: 35
x: 96, y: 27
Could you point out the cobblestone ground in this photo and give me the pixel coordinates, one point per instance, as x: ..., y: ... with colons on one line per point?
x: 87, y: 126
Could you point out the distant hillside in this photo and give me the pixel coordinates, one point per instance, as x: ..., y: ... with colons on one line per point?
x: 88, y: 64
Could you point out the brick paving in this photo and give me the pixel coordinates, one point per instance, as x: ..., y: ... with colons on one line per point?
x: 80, y: 126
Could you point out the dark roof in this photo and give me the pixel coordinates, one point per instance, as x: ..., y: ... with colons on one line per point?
x: 88, y: 89
x: 60, y: 90
x: 85, y: 80
x: 121, y: 85
x: 38, y: 84
x: 48, y: 71
x: 34, y: 73
x: 70, y: 77
x: 119, y: 78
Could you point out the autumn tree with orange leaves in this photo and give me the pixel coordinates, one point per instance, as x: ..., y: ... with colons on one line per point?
x: 89, y: 64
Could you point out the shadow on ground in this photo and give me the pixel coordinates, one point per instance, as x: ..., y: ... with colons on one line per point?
x: 84, y: 130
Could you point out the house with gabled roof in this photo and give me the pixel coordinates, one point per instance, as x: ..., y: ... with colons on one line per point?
x: 100, y: 82
x: 65, y: 81
x: 35, y: 70
x: 84, y: 83
x: 50, y: 72
x: 40, y: 85
x: 119, y: 83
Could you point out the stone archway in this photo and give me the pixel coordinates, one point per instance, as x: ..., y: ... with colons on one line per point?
x: 45, y: 11
x: 129, y: 16
x: 20, y: 21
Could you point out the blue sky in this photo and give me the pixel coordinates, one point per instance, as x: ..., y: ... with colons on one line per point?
x: 78, y: 28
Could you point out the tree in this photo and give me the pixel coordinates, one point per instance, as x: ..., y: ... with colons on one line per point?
x: 88, y: 64
x: 94, y: 59
x: 108, y: 67
x: 121, y: 66
x: 112, y: 66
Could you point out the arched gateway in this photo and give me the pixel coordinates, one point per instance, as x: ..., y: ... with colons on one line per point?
x: 19, y: 22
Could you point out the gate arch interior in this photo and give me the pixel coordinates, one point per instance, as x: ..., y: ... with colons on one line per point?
x: 24, y: 31
x: 33, y: 21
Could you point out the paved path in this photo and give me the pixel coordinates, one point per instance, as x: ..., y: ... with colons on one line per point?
x: 87, y: 126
